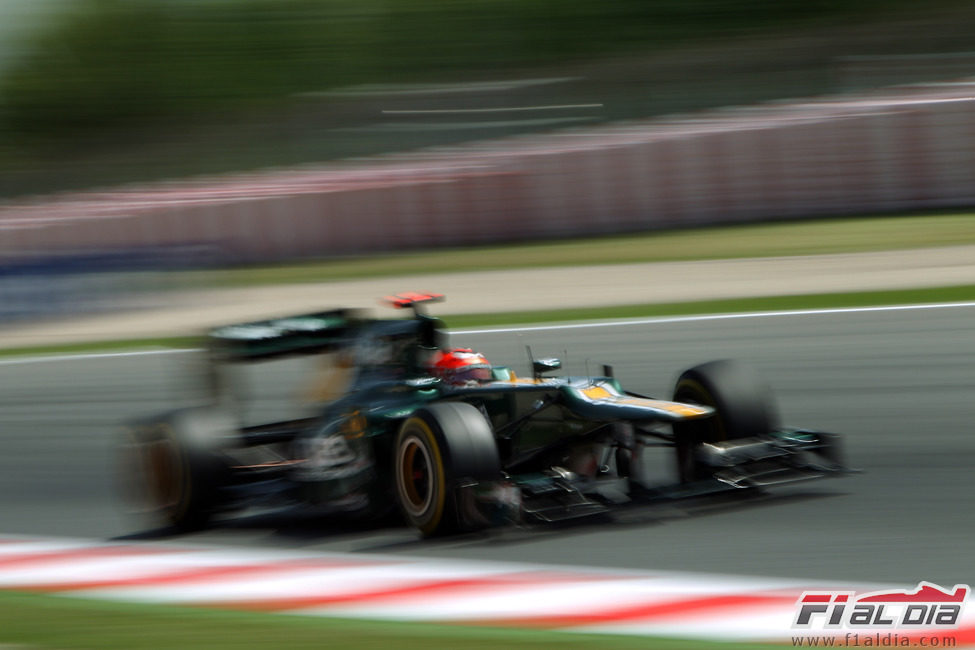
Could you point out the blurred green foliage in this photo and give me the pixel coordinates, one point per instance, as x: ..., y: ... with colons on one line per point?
x: 112, y: 61
x: 115, y: 91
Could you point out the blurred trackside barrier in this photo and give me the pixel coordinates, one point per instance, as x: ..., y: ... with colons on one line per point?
x: 69, y: 283
x: 901, y: 149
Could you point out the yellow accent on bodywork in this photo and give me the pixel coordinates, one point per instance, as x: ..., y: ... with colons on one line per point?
x: 687, y: 410
x: 602, y: 394
x: 354, y: 425
x: 598, y: 393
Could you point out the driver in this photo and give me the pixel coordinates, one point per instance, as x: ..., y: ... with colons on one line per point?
x: 461, y: 367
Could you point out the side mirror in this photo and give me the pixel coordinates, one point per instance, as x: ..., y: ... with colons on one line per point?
x: 540, y: 366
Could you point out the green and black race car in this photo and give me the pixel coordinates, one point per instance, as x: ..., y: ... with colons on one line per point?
x: 388, y: 431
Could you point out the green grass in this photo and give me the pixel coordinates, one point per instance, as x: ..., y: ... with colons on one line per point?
x: 848, y: 235
x: 120, y: 345
x: 461, y: 321
x: 734, y: 305
x: 55, y: 622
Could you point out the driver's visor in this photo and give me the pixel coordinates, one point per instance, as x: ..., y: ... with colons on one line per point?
x: 479, y: 373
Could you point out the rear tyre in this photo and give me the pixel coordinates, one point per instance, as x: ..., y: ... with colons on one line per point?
x: 438, y: 449
x: 743, y: 407
x: 171, y: 471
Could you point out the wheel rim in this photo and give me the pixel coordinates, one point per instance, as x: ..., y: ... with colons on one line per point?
x: 163, y: 474
x: 415, y: 473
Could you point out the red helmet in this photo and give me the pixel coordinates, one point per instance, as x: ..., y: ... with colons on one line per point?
x: 461, y: 366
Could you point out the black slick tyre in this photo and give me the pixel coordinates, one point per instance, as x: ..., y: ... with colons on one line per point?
x: 439, y: 448
x: 169, y: 473
x: 743, y: 407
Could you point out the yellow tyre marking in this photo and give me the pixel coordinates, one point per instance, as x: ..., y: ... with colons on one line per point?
x: 437, y: 473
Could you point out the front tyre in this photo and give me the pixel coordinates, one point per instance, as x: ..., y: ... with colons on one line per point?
x: 743, y: 407
x: 438, y: 449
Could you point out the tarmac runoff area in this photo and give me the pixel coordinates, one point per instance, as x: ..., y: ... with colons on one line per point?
x: 191, y: 312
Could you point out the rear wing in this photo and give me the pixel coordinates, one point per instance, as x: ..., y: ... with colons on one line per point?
x: 413, y: 300
x: 292, y: 335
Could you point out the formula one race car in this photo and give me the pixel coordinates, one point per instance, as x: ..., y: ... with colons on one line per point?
x: 399, y: 420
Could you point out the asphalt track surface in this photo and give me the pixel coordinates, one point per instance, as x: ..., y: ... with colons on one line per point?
x: 899, y: 383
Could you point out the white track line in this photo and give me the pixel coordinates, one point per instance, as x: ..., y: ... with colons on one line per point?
x: 554, y: 327
x: 718, y: 317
